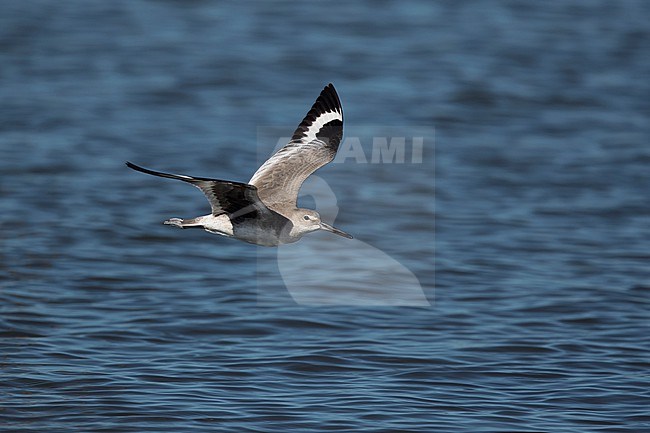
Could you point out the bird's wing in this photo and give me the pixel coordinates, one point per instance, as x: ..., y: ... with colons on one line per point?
x: 313, y: 145
x: 233, y: 198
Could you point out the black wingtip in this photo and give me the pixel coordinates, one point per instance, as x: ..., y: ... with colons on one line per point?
x: 154, y: 173
x: 328, y: 100
x: 331, y: 97
x: 332, y: 132
x: 136, y: 167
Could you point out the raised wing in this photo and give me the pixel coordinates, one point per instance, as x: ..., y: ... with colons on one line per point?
x: 312, y: 145
x: 233, y: 198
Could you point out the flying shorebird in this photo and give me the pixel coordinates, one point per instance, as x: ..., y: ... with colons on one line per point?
x: 264, y: 210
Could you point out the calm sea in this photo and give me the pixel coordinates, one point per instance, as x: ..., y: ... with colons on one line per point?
x: 499, y: 279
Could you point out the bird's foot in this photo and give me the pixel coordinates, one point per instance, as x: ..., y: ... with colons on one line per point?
x: 176, y: 222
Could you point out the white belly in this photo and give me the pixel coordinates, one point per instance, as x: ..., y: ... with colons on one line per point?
x: 216, y: 224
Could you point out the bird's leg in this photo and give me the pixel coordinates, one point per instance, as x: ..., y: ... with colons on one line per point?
x: 181, y: 223
x: 174, y: 222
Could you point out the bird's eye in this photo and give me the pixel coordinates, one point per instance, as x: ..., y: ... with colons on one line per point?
x: 306, y: 217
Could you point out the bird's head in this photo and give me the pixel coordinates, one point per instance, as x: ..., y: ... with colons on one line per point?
x: 307, y: 220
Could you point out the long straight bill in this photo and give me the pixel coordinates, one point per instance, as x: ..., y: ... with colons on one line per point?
x: 334, y: 230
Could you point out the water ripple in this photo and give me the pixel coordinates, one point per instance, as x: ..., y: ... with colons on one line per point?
x: 525, y: 226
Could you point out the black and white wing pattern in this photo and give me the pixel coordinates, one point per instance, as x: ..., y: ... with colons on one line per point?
x: 237, y: 200
x: 312, y: 145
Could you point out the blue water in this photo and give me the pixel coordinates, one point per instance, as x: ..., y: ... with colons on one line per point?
x: 500, y: 283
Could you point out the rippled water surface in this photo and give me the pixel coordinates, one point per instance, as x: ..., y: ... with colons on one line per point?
x: 499, y: 283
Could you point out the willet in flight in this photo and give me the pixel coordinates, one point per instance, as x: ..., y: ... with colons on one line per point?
x: 264, y: 210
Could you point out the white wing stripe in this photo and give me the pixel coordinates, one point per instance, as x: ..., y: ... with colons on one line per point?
x: 320, y: 121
